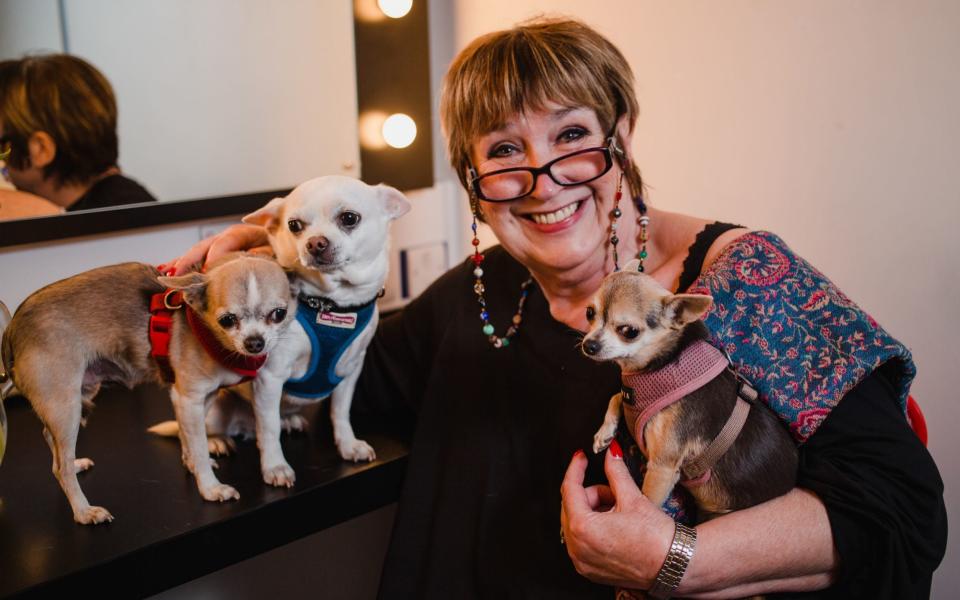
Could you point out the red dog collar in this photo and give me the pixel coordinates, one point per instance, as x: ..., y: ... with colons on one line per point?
x: 162, y: 306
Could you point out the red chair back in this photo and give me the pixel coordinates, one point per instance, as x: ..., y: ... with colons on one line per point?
x: 916, y: 420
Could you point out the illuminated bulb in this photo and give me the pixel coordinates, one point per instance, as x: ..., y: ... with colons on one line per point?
x: 399, y: 130
x: 395, y: 8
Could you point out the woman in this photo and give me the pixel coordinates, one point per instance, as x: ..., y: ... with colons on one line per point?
x: 58, y: 133
x: 539, y: 122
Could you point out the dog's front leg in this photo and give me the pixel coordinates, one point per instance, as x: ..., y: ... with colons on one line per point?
x: 348, y: 445
x: 267, y: 391
x: 659, y: 481
x: 189, y: 406
x: 608, y: 430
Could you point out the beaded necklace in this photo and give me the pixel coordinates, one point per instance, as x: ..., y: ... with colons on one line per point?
x: 478, y: 288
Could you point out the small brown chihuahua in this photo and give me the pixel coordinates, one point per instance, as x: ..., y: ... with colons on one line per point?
x: 67, y: 338
x: 691, y: 416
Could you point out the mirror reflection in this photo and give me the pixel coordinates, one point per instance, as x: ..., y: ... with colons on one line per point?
x: 212, y: 99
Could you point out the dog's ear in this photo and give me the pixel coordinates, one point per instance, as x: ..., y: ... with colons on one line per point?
x: 631, y: 267
x: 267, y: 217
x: 681, y: 309
x: 396, y: 203
x: 193, y: 286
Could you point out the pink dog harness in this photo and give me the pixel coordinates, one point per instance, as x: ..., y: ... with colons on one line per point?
x: 645, y: 394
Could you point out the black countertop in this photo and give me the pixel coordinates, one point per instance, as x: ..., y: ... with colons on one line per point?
x: 164, y: 533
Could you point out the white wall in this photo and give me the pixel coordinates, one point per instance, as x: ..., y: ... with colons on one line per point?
x: 834, y: 124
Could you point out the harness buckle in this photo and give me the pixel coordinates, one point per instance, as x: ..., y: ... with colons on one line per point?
x: 172, y: 296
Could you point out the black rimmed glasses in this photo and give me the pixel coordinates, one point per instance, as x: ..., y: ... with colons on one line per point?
x: 576, y: 168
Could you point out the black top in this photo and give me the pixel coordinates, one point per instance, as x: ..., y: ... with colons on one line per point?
x: 495, y: 430
x: 112, y: 190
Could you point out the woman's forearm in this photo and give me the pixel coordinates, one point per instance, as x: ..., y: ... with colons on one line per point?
x: 783, y: 544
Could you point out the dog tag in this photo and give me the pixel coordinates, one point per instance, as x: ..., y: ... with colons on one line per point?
x: 335, y: 319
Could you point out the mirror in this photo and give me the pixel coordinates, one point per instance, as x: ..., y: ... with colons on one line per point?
x: 217, y: 99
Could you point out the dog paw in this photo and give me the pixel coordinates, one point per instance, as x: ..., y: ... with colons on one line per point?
x: 281, y: 475
x: 356, y: 451
x: 603, y: 437
x: 219, y: 493
x: 83, y: 464
x: 220, y: 445
x: 293, y: 423
x: 93, y: 515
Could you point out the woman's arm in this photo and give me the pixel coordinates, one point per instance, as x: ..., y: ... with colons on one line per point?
x: 779, y: 545
x: 232, y: 239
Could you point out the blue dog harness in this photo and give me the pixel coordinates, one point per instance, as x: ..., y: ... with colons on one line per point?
x: 331, y: 330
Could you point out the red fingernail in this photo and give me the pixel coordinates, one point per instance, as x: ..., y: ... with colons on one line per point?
x: 578, y: 453
x: 615, y: 450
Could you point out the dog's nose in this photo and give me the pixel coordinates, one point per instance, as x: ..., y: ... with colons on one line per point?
x: 317, y: 244
x: 253, y: 344
x: 591, y: 347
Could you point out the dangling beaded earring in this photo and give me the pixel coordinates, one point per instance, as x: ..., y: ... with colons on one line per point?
x: 478, y: 288
x: 614, y: 217
x: 642, y: 221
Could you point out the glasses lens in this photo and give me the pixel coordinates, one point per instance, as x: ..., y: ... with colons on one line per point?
x: 506, y: 186
x: 579, y: 168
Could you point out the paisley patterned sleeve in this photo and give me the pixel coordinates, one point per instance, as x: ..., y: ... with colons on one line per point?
x: 793, y: 333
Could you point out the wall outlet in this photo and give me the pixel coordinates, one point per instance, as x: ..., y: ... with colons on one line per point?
x: 420, y: 266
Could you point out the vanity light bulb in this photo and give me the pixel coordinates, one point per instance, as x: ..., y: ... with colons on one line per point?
x: 395, y: 8
x: 399, y: 130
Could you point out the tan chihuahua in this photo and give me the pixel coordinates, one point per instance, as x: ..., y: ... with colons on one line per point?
x: 696, y: 422
x: 67, y: 338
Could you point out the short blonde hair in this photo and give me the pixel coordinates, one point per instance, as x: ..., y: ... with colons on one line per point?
x: 536, y: 62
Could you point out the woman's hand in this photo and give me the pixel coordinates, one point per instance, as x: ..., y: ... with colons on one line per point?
x: 614, y: 535
x: 252, y: 238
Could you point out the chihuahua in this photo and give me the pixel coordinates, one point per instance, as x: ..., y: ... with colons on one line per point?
x: 67, y: 338
x: 695, y: 421
x: 331, y: 233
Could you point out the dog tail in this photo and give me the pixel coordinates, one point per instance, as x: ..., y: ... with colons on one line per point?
x: 165, y: 429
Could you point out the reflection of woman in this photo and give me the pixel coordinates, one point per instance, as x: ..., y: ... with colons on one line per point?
x: 58, y: 125
x: 539, y: 121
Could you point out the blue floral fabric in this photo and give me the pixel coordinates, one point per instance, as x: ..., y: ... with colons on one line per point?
x: 792, y: 333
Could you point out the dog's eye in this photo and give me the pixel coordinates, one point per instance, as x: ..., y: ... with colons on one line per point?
x: 349, y: 219
x: 591, y: 314
x: 627, y: 332
x: 227, y: 321
x: 295, y: 225
x: 278, y: 315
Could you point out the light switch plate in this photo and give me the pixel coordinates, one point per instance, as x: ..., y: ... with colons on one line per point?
x: 420, y: 266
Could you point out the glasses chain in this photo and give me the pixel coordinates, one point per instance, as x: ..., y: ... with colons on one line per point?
x: 478, y: 288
